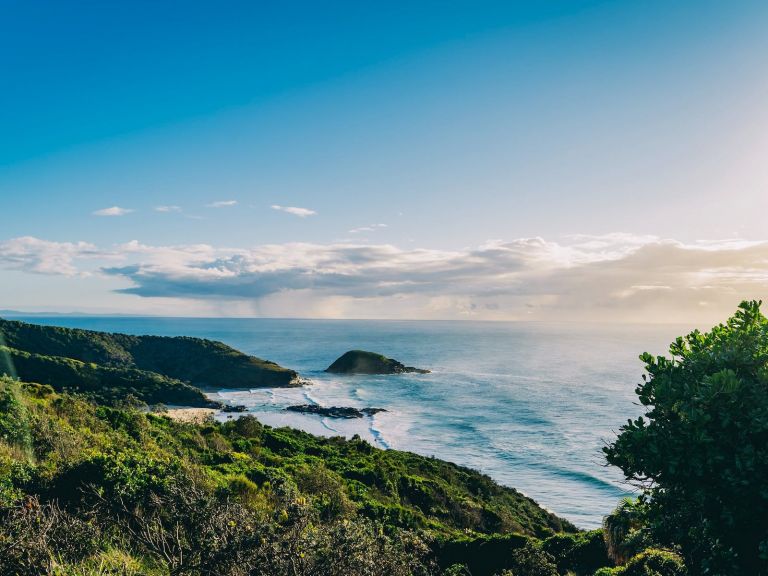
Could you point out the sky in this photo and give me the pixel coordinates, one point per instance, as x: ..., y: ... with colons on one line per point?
x: 518, y: 160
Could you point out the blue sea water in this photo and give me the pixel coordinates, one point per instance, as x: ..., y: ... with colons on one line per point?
x: 529, y: 404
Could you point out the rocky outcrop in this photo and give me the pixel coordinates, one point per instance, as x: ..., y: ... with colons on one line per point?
x: 334, y: 411
x: 362, y: 362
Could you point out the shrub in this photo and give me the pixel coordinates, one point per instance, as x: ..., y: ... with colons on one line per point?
x: 14, y: 416
x: 35, y: 537
x: 701, y: 450
x: 480, y: 555
x: 654, y: 562
x: 582, y: 553
x: 531, y: 560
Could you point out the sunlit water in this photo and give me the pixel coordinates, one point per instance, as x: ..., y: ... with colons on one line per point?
x: 529, y: 404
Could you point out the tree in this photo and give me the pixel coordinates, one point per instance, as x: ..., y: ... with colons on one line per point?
x: 701, y: 451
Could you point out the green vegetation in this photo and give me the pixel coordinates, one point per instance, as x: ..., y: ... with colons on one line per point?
x: 203, y: 363
x: 104, y: 384
x: 84, y: 485
x: 701, y: 451
x: 116, y: 367
x: 651, y: 562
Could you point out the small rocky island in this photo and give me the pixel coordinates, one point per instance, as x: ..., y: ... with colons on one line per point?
x: 362, y: 362
x: 334, y: 411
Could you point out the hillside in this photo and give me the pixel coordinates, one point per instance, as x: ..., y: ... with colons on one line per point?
x: 152, y: 368
x: 108, y: 385
x: 119, y: 479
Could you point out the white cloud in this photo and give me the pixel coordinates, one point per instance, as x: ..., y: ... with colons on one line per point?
x: 222, y: 204
x: 167, y: 208
x: 602, y: 278
x: 295, y: 210
x: 43, y: 257
x: 112, y: 211
x: 369, y: 228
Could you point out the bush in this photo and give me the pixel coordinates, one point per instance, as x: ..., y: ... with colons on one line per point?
x: 654, y: 562
x: 701, y: 451
x: 531, y: 561
x: 14, y: 417
x: 625, y: 530
x: 480, y: 555
x: 582, y: 553
x: 35, y: 537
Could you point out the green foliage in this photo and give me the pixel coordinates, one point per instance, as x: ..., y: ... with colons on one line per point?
x: 479, y: 555
x: 531, y: 560
x: 651, y: 562
x: 14, y: 476
x: 625, y: 530
x: 701, y: 451
x: 582, y: 553
x: 237, y: 498
x: 14, y: 418
x: 113, y: 367
x: 103, y: 384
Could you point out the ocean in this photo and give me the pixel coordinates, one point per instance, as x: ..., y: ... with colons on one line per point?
x: 529, y: 404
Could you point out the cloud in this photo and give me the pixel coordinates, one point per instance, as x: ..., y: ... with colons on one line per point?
x: 167, y: 208
x: 611, y: 277
x: 617, y: 277
x: 112, y: 211
x: 369, y: 228
x: 295, y: 210
x: 37, y: 256
x: 222, y: 204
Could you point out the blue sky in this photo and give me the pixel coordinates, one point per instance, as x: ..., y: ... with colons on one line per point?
x: 316, y: 160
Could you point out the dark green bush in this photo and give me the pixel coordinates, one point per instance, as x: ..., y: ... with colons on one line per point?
x: 653, y: 562
x: 531, y: 560
x: 479, y: 555
x: 701, y: 450
x: 582, y: 553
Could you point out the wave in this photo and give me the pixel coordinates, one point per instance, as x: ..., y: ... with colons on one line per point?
x: 309, y: 399
x: 583, y: 478
x: 376, y: 433
x: 324, y: 422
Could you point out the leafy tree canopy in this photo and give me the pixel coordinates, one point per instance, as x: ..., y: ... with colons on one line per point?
x: 700, y: 452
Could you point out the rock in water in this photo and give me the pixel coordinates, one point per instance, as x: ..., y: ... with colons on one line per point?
x: 362, y: 362
x: 334, y: 411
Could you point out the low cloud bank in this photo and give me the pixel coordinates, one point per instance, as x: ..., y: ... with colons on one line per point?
x: 611, y: 277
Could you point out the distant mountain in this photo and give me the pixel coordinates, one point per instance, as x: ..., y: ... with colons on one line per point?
x: 22, y: 314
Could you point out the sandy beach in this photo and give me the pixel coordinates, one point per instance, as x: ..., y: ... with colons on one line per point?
x: 186, y: 414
